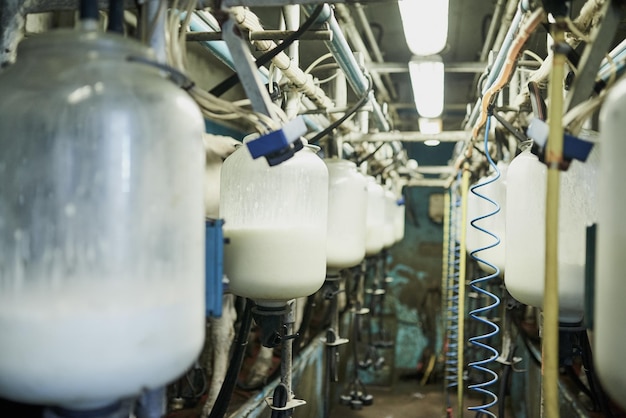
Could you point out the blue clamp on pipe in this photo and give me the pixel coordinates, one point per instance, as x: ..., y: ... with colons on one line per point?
x: 278, y: 146
x: 214, y: 270
x: 573, y: 148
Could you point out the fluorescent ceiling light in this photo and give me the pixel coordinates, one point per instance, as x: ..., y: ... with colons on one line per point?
x: 425, y: 24
x: 430, y: 126
x: 427, y: 82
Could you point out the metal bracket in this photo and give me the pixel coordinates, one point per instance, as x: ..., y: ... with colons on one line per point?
x: 337, y: 342
x: 294, y: 403
x: 248, y: 74
x: 362, y: 311
x: 593, y: 54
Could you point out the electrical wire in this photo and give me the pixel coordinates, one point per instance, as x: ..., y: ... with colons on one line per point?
x: 317, y: 62
x: 370, y: 155
x: 507, y: 69
x: 326, y: 67
x: 327, y: 79
x: 533, y: 55
x: 351, y: 112
x: 479, y: 314
x: 232, y: 81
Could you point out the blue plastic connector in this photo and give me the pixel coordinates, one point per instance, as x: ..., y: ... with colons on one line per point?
x: 278, y: 146
x: 214, y: 271
x: 573, y: 148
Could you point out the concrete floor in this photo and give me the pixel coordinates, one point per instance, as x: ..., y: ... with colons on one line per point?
x: 406, y: 399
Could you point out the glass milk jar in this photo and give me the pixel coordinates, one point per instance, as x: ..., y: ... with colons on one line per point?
x: 275, y: 224
x: 347, y: 211
x: 101, y: 223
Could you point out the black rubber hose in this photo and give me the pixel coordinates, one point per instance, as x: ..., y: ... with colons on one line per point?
x: 362, y: 101
x: 116, y: 16
x: 592, y: 377
x: 232, y: 81
x: 240, y: 343
x: 88, y: 9
x: 370, y: 155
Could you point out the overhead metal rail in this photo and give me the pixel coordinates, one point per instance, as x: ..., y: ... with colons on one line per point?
x: 449, y: 67
x: 408, y: 136
x: 267, y: 3
x: 265, y: 35
x: 342, y: 53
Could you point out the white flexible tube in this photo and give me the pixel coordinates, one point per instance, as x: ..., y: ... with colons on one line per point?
x: 247, y: 20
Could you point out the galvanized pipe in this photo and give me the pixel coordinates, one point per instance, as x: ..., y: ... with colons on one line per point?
x: 264, y: 35
x: 503, y: 44
x: 205, y: 22
x: 378, y: 56
x: 291, y: 15
x: 153, y: 26
x: 493, y: 25
x: 409, y: 136
x: 352, y: 33
x: 504, y: 50
x: 342, y: 53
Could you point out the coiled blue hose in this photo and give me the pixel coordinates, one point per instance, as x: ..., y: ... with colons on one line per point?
x: 480, y: 314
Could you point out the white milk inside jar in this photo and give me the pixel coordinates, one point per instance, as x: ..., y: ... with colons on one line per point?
x: 275, y: 221
x: 103, y: 340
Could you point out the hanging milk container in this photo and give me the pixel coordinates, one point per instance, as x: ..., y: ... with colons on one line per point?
x: 477, y: 209
x: 399, y: 220
x: 525, y: 231
x: 389, y: 237
x: 610, y: 286
x: 275, y: 224
x: 375, y: 220
x: 101, y: 223
x: 347, y: 211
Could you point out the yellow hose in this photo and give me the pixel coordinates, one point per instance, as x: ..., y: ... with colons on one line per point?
x: 462, y: 261
x: 553, y: 157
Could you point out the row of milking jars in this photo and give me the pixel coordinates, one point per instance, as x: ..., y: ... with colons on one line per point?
x: 520, y: 192
x: 590, y: 192
x: 288, y: 225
